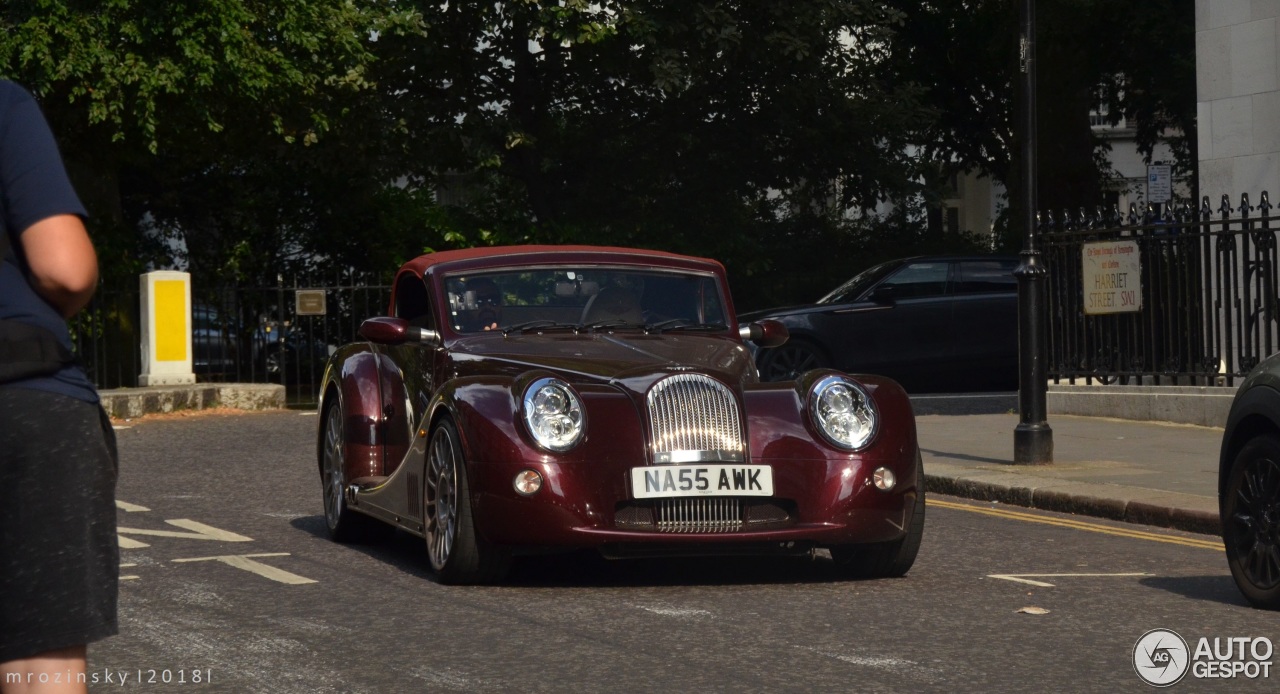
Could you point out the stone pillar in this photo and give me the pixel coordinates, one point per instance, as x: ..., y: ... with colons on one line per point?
x: 1238, y: 97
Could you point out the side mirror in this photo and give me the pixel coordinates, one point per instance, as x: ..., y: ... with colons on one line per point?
x: 765, y: 333
x: 884, y: 294
x: 395, y: 331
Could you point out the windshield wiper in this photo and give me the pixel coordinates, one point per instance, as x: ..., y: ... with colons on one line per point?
x: 541, y: 324
x: 609, y: 325
x: 682, y: 324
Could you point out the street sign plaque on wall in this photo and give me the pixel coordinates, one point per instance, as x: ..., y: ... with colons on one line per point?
x: 1159, y: 183
x: 1112, y: 277
x: 309, y: 302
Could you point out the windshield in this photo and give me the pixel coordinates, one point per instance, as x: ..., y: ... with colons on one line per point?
x: 856, y: 287
x: 583, y: 297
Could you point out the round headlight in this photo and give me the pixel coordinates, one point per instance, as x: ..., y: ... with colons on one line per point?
x: 843, y: 412
x: 553, y: 414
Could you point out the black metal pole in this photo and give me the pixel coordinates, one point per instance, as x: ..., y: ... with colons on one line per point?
x: 1032, y: 439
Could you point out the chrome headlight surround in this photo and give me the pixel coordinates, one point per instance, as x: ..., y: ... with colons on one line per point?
x: 843, y: 412
x: 553, y: 414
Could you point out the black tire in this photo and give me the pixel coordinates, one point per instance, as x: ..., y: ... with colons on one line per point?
x: 344, y: 525
x: 887, y: 559
x: 1251, y: 521
x: 788, y: 361
x: 457, y: 554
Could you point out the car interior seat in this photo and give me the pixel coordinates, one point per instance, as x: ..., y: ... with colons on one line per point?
x: 613, y: 304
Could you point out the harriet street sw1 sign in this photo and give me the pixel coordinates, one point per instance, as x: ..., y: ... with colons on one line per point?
x: 1112, y: 277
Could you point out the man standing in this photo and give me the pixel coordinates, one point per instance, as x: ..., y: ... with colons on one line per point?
x: 59, y: 558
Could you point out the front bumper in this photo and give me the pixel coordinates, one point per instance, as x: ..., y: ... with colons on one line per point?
x: 825, y: 502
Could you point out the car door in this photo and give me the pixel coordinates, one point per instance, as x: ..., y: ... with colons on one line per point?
x: 985, y: 296
x: 900, y: 328
x: 407, y: 382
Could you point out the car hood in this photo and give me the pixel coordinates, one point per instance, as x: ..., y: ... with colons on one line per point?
x: 604, y: 357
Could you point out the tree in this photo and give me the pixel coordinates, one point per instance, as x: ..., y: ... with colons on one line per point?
x: 185, y: 119
x: 271, y: 136
x: 1128, y: 60
x: 740, y: 130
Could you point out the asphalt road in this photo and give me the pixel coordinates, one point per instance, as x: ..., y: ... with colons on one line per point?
x: 246, y: 590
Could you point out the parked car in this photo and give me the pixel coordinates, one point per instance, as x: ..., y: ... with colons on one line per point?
x: 931, y: 323
x: 1249, y: 486
x: 213, y: 343
x: 534, y: 398
x: 286, y: 354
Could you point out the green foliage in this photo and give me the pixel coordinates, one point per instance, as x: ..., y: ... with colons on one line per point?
x: 710, y: 128
x: 246, y: 138
x: 186, y: 120
x: 1128, y: 59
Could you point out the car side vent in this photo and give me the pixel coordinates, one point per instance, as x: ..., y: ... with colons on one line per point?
x: 694, y: 418
x: 415, y: 497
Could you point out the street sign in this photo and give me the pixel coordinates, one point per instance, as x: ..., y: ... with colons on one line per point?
x: 1112, y: 277
x: 309, y: 302
x: 1159, y: 183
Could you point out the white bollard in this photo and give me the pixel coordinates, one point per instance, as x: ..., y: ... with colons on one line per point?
x: 166, y: 329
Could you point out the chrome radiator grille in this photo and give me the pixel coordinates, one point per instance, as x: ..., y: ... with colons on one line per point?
x: 699, y: 515
x: 694, y: 418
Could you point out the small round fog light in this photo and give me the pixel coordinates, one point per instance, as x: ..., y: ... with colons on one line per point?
x: 528, y: 482
x: 883, y: 479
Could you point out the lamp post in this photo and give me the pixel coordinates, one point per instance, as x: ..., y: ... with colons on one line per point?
x: 1032, y: 439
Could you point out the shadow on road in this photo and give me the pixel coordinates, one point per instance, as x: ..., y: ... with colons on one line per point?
x: 587, y: 569
x: 1221, y: 589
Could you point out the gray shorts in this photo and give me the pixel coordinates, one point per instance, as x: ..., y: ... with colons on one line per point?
x: 59, y: 556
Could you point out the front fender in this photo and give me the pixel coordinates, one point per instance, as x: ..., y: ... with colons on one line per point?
x: 1252, y: 413
x: 783, y: 435
x: 352, y: 374
x: 579, y: 483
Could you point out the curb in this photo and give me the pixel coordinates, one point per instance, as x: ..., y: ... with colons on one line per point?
x: 130, y: 403
x: 1128, y: 511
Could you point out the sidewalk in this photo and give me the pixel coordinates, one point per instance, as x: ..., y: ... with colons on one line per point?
x: 1140, y: 472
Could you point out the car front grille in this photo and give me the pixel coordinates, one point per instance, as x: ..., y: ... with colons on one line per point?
x: 703, y: 515
x: 694, y: 418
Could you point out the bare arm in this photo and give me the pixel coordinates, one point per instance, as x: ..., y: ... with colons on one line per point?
x: 64, y: 266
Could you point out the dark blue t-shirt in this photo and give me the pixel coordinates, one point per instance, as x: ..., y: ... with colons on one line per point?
x: 33, y: 186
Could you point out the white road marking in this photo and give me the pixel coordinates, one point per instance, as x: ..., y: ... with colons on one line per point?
x: 308, y: 414
x: 909, y: 668
x: 1026, y: 578
x: 130, y: 508
x: 246, y: 562
x: 675, y: 611
x: 127, y: 578
x: 199, y: 531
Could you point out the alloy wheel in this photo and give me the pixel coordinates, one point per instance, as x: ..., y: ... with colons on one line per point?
x: 333, y: 460
x: 1253, y: 531
x: 790, y: 360
x: 441, y: 497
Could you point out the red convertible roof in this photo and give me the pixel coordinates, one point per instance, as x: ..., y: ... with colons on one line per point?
x: 420, y: 264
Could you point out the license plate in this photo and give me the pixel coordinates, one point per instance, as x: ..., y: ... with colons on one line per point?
x: 656, y: 481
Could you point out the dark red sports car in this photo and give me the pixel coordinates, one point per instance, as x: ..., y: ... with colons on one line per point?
x: 535, y: 398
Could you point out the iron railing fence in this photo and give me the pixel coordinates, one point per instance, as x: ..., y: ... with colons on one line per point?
x: 239, y: 334
x: 1208, y: 283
